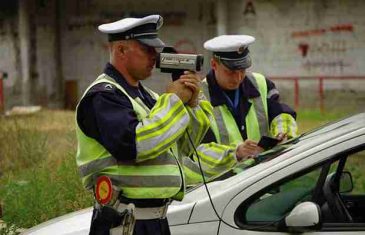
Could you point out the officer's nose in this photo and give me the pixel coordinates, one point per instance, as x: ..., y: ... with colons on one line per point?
x: 238, y: 75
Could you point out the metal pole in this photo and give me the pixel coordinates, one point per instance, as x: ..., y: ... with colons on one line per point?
x: 321, y: 95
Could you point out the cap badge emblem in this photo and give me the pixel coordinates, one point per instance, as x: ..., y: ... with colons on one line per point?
x: 241, y: 50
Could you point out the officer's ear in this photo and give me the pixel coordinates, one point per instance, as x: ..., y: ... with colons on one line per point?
x: 121, y: 49
x: 213, y: 63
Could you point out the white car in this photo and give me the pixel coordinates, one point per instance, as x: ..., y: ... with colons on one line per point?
x: 314, y: 184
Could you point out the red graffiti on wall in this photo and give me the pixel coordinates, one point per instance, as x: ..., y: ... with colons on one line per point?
x: 342, y: 28
x: 303, y: 47
x: 339, y: 63
x: 322, y: 47
x: 307, y: 33
x: 321, y: 31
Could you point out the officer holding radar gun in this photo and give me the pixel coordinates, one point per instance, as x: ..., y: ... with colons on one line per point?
x: 133, y: 143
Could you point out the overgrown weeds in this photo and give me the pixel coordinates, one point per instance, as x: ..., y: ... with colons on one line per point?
x: 39, y: 178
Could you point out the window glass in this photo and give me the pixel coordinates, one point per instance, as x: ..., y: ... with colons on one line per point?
x: 276, y: 202
x: 355, y: 164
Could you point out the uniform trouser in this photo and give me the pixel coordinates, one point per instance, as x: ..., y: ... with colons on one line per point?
x: 105, y: 218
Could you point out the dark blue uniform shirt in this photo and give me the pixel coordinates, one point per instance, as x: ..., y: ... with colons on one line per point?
x: 106, y: 114
x: 246, y: 91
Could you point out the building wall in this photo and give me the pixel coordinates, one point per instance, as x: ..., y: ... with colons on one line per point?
x: 293, y: 38
x: 303, y: 38
x: 9, y: 51
x: 186, y: 27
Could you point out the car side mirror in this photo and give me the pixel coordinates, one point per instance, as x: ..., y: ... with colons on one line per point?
x: 305, y: 216
x: 346, y: 184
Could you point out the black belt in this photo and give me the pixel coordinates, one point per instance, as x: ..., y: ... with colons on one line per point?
x: 144, y: 203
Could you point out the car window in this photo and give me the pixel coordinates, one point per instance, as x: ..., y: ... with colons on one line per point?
x: 274, y: 203
x: 355, y: 164
x: 351, y: 199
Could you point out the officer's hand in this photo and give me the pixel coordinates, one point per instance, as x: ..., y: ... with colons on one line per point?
x: 282, y: 137
x: 247, y: 149
x: 192, y: 80
x: 179, y: 88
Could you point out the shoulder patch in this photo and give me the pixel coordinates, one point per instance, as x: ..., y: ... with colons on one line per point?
x: 108, y: 87
x: 103, y: 87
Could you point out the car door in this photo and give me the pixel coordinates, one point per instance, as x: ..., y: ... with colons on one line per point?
x: 262, y: 208
x: 354, y: 200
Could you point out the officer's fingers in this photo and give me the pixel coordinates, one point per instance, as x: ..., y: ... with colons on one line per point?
x: 175, y: 86
x: 192, y: 86
x: 185, y: 78
x: 193, y: 82
x: 189, y: 72
x: 259, y: 149
x: 246, y: 148
x: 241, y: 154
x: 280, y: 136
x: 180, y: 83
x: 250, y: 142
x: 251, y: 149
x: 194, y: 77
x: 190, y: 81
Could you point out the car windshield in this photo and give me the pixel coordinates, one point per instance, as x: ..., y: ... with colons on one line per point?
x: 263, y: 157
x: 320, y: 134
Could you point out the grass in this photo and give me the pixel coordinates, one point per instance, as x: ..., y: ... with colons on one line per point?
x: 39, y: 177
x: 308, y: 119
x: 38, y: 174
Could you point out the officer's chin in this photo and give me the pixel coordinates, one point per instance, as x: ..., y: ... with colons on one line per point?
x: 232, y: 87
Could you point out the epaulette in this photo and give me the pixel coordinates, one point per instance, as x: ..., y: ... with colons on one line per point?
x: 103, y: 87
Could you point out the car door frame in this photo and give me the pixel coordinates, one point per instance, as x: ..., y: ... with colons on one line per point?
x: 290, y: 171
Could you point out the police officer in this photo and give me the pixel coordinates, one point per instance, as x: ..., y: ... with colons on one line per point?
x: 127, y: 134
x: 246, y: 105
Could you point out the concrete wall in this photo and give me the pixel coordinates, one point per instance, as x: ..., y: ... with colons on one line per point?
x: 303, y: 38
x: 186, y: 26
x: 28, y: 52
x: 293, y: 38
x: 9, y: 52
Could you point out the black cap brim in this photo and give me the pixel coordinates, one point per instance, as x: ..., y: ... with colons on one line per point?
x: 237, y: 64
x: 152, y: 42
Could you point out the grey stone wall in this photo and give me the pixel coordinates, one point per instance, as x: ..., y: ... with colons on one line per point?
x: 293, y: 39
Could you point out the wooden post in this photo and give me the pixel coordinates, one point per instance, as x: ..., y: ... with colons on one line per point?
x: 71, y: 94
x: 296, y: 93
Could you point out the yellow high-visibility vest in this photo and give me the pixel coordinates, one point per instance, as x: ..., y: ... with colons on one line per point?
x: 224, y: 125
x: 159, y: 177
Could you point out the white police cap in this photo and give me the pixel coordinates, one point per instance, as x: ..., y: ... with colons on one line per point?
x: 231, y: 50
x: 141, y: 29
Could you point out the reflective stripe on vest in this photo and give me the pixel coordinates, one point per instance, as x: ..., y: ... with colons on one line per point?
x: 160, y: 177
x: 225, y: 128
